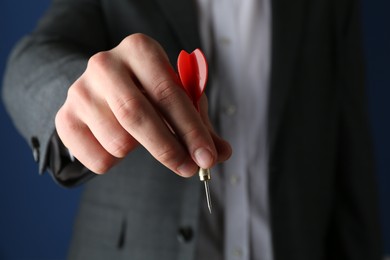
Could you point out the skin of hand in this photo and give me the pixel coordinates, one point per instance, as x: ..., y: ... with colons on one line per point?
x: 130, y: 96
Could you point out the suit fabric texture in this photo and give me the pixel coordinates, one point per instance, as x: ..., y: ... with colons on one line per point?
x: 322, y: 187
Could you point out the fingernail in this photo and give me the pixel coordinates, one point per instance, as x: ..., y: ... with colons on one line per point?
x: 187, y: 169
x: 203, y: 158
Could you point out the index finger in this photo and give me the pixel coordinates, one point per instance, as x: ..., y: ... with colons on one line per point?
x: 151, y: 66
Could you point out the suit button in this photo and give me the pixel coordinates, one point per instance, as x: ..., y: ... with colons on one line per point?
x: 35, y: 148
x: 185, y: 234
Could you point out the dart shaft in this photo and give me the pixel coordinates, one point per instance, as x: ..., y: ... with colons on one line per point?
x: 205, y: 176
x: 207, y: 190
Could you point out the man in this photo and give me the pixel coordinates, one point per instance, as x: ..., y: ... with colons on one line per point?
x: 97, y: 82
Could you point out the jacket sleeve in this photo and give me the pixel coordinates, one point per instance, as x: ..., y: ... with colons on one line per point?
x: 44, y: 64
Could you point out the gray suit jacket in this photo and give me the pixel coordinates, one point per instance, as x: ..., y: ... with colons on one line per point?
x: 322, y: 190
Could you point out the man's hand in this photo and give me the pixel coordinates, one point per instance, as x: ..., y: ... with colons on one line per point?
x: 131, y: 96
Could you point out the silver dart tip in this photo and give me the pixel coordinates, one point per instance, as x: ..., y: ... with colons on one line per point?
x: 205, y: 176
x: 207, y: 190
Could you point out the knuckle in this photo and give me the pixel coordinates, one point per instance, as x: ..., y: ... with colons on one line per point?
x: 166, y: 93
x: 196, y: 136
x: 78, y: 94
x: 170, y: 156
x: 142, y: 46
x: 102, y: 164
x: 192, y: 133
x: 65, y: 121
x: 100, y: 61
x: 138, y: 41
x: 129, y: 111
x: 120, y: 147
x: 60, y: 118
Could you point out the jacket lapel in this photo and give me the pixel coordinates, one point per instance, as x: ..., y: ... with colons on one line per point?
x: 287, y: 33
x: 183, y: 18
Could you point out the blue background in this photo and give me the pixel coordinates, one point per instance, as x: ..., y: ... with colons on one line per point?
x: 36, y: 215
